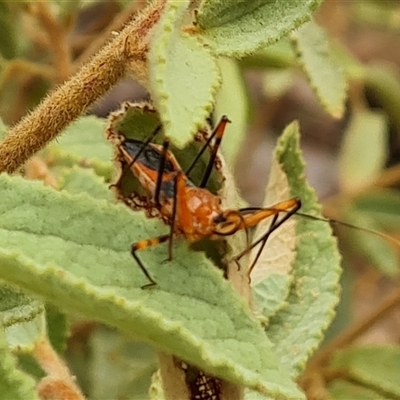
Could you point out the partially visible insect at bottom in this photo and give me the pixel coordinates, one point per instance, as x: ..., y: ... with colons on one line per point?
x: 201, y: 385
x: 193, y: 211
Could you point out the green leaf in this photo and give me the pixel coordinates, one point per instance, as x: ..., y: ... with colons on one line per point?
x: 377, y: 250
x: 375, y: 366
x: 214, y: 13
x: 74, y: 251
x: 270, y: 293
x: 353, y: 68
x: 13, y: 383
x: 232, y: 100
x: 276, y: 82
x: 252, y: 395
x: 84, y: 180
x: 8, y: 42
x: 364, y: 150
x: 297, y: 329
x: 383, y: 81
x: 82, y: 143
x: 380, y: 15
x: 3, y: 129
x: 242, y: 27
x: 21, y: 317
x: 383, y: 205
x: 343, y: 390
x: 271, y: 277
x: 344, y: 310
x: 119, y: 368
x: 183, y: 76
x: 57, y: 328
x: 325, y: 75
x: 279, y: 55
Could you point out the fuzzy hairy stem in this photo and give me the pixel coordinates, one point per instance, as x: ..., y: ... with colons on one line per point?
x: 58, y: 384
x: 92, y: 81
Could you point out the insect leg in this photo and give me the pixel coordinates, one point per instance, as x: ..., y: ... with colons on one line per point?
x: 173, y: 217
x: 144, y: 244
x: 145, y: 144
x: 161, y: 172
x: 217, y: 133
x: 274, y: 225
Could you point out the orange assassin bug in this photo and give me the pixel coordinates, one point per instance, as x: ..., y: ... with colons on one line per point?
x: 191, y: 211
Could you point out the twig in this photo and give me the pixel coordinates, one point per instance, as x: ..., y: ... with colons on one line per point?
x: 58, y: 40
x: 93, y: 80
x: 117, y: 24
x: 37, y: 169
x: 356, y: 330
x: 388, y: 178
x: 314, y: 378
x: 16, y: 66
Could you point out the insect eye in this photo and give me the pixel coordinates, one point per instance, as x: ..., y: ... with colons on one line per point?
x: 227, y: 224
x: 226, y: 229
x: 219, y: 219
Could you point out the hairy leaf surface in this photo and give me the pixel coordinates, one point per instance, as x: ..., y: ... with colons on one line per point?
x: 74, y: 251
x: 14, y: 384
x: 298, y: 329
x: 240, y: 28
x: 325, y: 75
x: 21, y: 317
x: 82, y: 143
x: 183, y: 76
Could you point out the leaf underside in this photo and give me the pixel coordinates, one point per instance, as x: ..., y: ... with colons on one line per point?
x: 183, y: 92
x: 14, y: 384
x: 21, y: 317
x: 297, y: 329
x: 325, y: 75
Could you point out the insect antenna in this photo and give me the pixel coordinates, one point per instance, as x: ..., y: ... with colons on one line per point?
x: 275, y: 224
x: 352, y: 226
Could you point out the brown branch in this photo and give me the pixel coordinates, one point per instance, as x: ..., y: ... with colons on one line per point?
x: 37, y: 169
x: 58, y: 40
x: 356, y: 330
x: 19, y: 66
x: 93, y: 80
x: 314, y: 379
x: 172, y: 377
x: 388, y: 178
x: 117, y: 24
